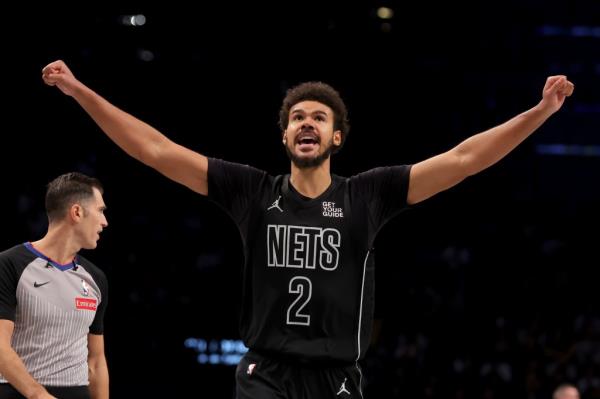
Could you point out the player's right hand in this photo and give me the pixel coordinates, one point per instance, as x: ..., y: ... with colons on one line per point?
x: 58, y: 74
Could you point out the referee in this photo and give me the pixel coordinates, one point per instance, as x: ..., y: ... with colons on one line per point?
x: 52, y: 301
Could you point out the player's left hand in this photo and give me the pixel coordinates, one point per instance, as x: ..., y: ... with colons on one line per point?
x: 556, y: 89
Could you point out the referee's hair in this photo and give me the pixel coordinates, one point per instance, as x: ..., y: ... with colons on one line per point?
x: 66, y: 190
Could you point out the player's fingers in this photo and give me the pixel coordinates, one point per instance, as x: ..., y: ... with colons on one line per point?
x: 552, y: 79
x: 48, y: 79
x: 553, y: 86
x: 50, y: 68
x: 54, y: 65
x: 568, y: 90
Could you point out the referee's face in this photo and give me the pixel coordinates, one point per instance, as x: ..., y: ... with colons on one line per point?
x: 309, y: 137
x: 93, y: 221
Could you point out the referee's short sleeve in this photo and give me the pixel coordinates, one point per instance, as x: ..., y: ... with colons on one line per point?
x: 97, y: 326
x: 9, y: 278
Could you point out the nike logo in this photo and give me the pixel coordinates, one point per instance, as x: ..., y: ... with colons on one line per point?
x: 36, y: 285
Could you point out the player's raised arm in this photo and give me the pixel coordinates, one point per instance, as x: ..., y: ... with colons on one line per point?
x: 137, y: 138
x: 482, y: 150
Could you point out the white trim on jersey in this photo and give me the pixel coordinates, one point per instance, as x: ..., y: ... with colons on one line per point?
x: 362, y: 294
x: 360, y: 311
x: 359, y: 380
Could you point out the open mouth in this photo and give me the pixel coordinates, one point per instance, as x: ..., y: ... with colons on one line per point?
x: 307, y: 141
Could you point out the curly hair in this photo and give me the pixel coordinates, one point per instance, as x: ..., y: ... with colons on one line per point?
x: 320, y: 92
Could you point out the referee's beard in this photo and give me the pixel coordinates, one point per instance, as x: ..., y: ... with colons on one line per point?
x: 304, y: 163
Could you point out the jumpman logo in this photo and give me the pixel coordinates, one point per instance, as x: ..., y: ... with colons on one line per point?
x: 276, y: 205
x: 343, y: 388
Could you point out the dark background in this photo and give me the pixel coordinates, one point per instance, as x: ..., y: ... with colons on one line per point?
x: 487, y: 290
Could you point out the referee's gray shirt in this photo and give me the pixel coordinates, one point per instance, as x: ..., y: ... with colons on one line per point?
x: 54, y: 308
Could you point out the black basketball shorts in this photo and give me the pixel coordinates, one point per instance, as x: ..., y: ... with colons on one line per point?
x: 269, y: 377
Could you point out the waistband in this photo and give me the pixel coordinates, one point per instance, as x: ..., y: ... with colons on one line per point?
x: 7, y: 391
x: 299, y: 360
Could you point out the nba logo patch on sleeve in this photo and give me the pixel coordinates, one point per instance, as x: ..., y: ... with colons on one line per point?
x: 85, y: 288
x: 251, y: 368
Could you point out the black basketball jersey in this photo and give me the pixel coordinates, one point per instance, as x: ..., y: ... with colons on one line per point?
x: 308, y: 275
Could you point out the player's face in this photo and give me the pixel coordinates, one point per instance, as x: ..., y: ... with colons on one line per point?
x: 93, y: 221
x: 309, y: 138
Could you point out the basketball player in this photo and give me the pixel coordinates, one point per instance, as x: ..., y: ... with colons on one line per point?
x: 308, y: 278
x: 52, y: 301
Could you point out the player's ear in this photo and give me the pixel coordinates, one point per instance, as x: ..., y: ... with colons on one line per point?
x: 337, y: 138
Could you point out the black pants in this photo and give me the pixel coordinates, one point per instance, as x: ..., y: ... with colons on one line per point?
x: 8, y: 392
x: 270, y: 377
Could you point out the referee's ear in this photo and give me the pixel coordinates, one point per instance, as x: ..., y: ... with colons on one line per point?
x: 76, y: 212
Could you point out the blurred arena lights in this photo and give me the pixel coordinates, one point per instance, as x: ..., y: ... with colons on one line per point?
x: 568, y: 150
x: 385, y: 13
x: 133, y: 20
x: 145, y: 55
x: 226, y: 352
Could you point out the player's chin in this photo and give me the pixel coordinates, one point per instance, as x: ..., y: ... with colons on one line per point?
x: 306, y: 156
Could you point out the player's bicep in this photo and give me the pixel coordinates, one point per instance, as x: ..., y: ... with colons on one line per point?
x: 184, y: 166
x: 434, y: 175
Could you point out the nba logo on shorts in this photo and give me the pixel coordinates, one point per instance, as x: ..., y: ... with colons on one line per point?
x: 250, y: 368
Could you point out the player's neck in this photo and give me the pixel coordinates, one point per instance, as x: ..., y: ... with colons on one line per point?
x: 58, y: 245
x: 311, y: 182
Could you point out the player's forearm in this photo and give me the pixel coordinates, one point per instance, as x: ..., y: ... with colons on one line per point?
x: 485, y: 149
x: 13, y: 369
x: 134, y: 136
x: 98, y: 376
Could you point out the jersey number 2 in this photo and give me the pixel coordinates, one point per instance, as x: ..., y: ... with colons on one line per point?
x: 302, y: 287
